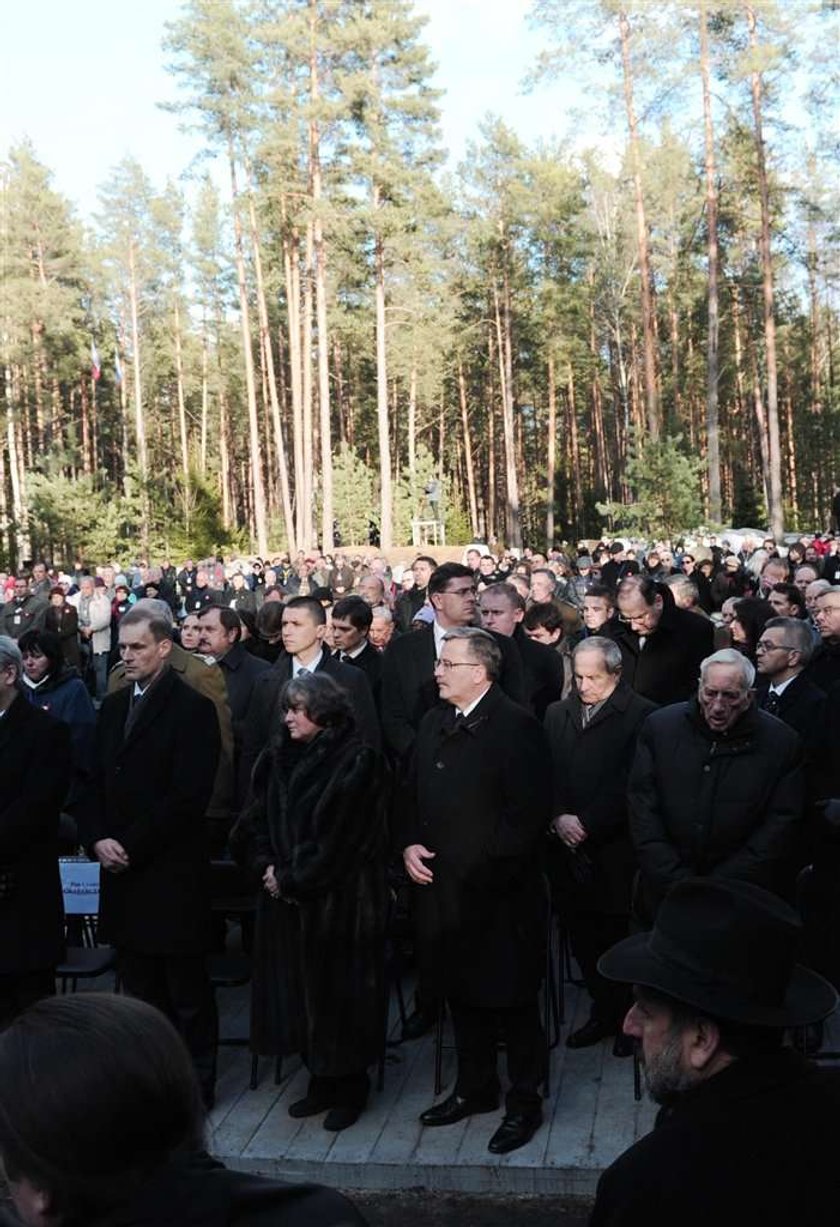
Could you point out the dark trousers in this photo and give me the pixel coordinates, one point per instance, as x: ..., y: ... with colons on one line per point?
x: 477, y: 1032
x: 178, y: 985
x: 590, y: 935
x: 19, y: 990
x: 348, y: 1091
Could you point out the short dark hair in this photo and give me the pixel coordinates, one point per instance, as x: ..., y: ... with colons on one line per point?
x: 228, y: 617
x: 270, y: 619
x: 793, y: 596
x: 46, y: 642
x: 98, y: 1093
x: 325, y: 702
x: 319, y: 616
x: 356, y: 610
x: 602, y: 591
x: 543, y: 614
x: 427, y: 558
x: 446, y: 572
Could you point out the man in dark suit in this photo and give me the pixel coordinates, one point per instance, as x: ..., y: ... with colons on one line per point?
x: 220, y: 641
x: 782, y: 654
x: 158, y: 750
x: 479, y: 803
x: 407, y: 603
x: 351, y: 622
x: 824, y: 669
x: 408, y: 681
x: 303, y: 628
x: 661, y: 646
x: 35, y: 772
x: 502, y: 611
x: 743, y: 1117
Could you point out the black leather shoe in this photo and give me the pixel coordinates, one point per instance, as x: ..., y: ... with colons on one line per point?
x: 623, y: 1045
x: 310, y: 1105
x: 455, y: 1108
x: 341, y: 1118
x: 515, y: 1130
x: 417, y: 1024
x: 590, y: 1033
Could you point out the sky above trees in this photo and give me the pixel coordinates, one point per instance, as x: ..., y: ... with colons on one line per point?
x: 84, y: 81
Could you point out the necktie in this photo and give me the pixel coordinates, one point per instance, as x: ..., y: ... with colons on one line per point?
x: 771, y: 703
x: 303, y: 671
x: 133, y: 714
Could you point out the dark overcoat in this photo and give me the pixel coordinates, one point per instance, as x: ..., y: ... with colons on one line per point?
x: 154, y: 786
x: 482, y: 793
x: 666, y: 669
x: 591, y: 764
x: 755, y: 1144
x: 263, y: 719
x: 35, y: 771
x: 543, y: 672
x: 318, y: 816
x: 801, y: 705
x: 409, y: 689
x: 703, y: 804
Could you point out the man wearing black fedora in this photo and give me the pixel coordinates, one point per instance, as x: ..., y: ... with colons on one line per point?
x: 746, y: 1130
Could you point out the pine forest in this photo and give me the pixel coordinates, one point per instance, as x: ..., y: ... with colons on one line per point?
x: 322, y: 318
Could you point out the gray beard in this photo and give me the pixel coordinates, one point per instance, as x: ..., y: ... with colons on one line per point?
x: 666, y: 1077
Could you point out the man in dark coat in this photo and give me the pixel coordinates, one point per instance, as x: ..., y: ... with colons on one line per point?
x: 158, y: 751
x: 35, y: 772
x: 220, y: 641
x: 662, y: 646
x: 303, y: 627
x: 24, y: 612
x: 407, y: 603
x: 824, y: 668
x: 351, y: 622
x: 502, y: 611
x: 716, y: 789
x: 746, y: 1131
x: 592, y: 736
x: 481, y: 786
x: 408, y: 682
x: 783, y: 652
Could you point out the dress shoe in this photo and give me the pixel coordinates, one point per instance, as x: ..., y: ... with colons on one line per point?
x: 516, y: 1129
x: 417, y: 1024
x: 311, y: 1105
x: 623, y: 1045
x: 590, y: 1033
x: 341, y: 1118
x: 456, y: 1107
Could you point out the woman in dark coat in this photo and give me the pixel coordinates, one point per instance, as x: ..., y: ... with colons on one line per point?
x: 316, y: 835
x: 63, y: 620
x: 751, y: 615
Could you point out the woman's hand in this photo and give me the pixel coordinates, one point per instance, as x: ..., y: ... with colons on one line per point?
x: 270, y: 883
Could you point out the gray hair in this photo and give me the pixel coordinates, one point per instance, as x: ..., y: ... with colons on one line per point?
x: 322, y: 699
x: 819, y: 586
x: 152, y: 613
x: 483, y: 647
x: 798, y: 635
x: 729, y: 657
x: 684, y: 585
x: 10, y: 656
x: 383, y: 612
x: 609, y: 649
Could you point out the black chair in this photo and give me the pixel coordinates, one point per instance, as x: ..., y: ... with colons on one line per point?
x: 397, y: 932
x: 232, y: 893
x: 84, y: 958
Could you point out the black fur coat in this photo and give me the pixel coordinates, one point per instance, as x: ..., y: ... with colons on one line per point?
x: 318, y: 816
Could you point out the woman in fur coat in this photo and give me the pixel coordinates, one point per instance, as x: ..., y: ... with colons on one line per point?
x: 315, y: 833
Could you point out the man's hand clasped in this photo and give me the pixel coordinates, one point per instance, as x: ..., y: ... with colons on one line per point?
x: 413, y: 859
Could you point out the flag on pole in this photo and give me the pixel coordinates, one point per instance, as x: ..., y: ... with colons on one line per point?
x: 95, y: 364
x: 118, y: 375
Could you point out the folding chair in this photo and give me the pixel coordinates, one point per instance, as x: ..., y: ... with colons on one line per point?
x: 86, y: 960
x: 232, y: 893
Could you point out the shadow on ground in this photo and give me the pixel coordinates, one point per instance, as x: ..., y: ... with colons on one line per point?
x: 421, y: 1209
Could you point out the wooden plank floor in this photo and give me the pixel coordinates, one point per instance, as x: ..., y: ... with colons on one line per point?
x: 590, y: 1118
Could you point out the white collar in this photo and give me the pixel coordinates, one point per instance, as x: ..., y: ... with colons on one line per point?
x: 466, y: 711
x: 781, y: 687
x: 297, y: 667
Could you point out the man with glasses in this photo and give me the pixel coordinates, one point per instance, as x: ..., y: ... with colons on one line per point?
x: 824, y: 669
x: 716, y: 789
x: 479, y: 802
x: 782, y: 653
x: 661, y: 646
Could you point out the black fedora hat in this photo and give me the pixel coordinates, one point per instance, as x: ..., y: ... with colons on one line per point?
x: 729, y: 949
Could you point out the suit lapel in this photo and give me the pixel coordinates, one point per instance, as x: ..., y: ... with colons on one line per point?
x: 15, y: 716
x: 150, y: 707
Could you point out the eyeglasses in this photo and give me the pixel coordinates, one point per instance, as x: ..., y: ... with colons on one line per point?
x: 643, y: 618
x: 765, y: 645
x: 459, y: 591
x: 447, y: 665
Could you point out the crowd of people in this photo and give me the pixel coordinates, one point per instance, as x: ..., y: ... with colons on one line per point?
x: 445, y: 758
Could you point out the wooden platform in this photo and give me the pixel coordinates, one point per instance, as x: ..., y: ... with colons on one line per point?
x: 590, y: 1118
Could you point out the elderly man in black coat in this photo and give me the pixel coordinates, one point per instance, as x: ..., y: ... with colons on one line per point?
x: 481, y: 786
x: 716, y: 789
x: 747, y: 1129
x: 35, y: 772
x: 662, y: 645
x: 592, y: 736
x: 158, y: 749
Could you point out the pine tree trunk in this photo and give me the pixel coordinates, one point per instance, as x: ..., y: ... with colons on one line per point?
x: 468, y: 453
x: 386, y: 504
x: 205, y: 404
x: 291, y: 266
x: 712, y: 336
x: 320, y: 296
x: 551, y: 452
x: 182, y: 406
x: 256, y: 483
x: 307, y: 391
x: 412, y: 422
x: 513, y: 527
x: 648, y: 323
x: 776, y: 508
